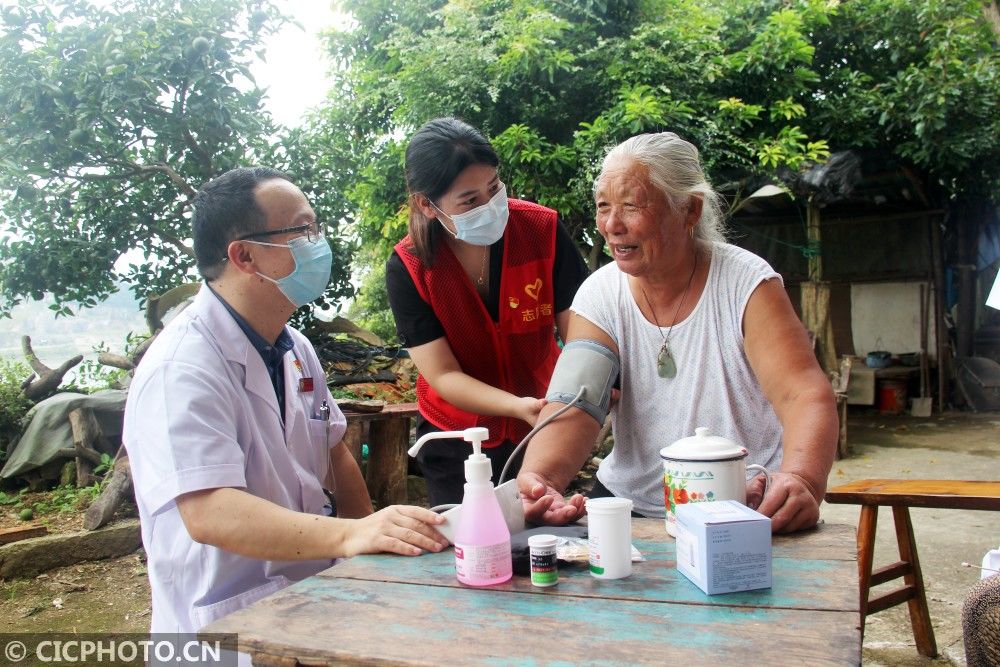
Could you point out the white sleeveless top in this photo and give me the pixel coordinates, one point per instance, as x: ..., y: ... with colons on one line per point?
x: 714, y: 387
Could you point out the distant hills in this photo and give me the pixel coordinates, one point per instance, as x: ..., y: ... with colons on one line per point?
x: 57, y: 339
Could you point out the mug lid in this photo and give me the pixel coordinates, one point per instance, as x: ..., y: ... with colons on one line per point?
x: 703, y: 447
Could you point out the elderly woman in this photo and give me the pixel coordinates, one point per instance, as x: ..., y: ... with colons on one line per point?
x: 705, y: 335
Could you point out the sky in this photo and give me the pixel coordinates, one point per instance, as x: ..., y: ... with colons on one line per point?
x: 294, y: 73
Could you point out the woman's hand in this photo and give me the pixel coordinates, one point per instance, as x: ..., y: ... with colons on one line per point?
x: 527, y: 408
x: 401, y: 529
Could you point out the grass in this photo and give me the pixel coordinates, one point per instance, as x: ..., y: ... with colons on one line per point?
x: 28, y: 506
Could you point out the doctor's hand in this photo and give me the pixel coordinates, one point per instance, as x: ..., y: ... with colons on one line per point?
x: 789, y: 501
x: 401, y: 529
x: 527, y: 408
x: 543, y: 504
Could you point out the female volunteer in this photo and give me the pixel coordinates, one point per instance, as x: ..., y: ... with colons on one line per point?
x: 476, y: 288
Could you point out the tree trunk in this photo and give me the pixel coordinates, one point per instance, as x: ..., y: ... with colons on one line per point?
x: 119, y: 488
x: 992, y: 14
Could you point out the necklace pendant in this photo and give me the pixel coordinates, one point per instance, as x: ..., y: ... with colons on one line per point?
x: 666, y: 367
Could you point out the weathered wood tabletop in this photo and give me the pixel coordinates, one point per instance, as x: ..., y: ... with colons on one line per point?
x: 413, y: 611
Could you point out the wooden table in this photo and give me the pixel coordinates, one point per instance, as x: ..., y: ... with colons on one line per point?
x: 412, y: 611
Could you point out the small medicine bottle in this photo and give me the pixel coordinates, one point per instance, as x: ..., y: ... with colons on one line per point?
x: 544, y: 571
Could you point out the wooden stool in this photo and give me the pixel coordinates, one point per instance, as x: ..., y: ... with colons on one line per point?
x: 901, y: 495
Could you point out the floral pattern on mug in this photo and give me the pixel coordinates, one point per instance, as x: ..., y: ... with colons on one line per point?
x: 675, y: 492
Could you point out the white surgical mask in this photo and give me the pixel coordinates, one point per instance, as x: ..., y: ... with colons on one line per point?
x: 483, y: 225
x: 311, y: 275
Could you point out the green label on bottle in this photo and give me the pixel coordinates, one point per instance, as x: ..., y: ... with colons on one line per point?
x: 544, y: 577
x: 596, y: 569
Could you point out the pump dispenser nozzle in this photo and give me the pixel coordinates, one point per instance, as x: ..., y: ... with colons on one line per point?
x: 478, y: 468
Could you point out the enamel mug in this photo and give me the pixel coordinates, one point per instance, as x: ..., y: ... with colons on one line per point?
x: 705, y: 467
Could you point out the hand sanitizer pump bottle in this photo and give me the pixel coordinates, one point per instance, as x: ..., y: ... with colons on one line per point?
x: 482, y: 539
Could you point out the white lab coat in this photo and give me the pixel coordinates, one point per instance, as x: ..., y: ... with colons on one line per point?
x: 202, y: 414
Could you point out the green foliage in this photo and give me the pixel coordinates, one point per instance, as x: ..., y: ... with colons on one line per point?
x: 104, y: 466
x: 920, y: 80
x: 62, y: 499
x: 65, y: 499
x: 370, y: 309
x: 554, y: 84
x: 762, y: 87
x: 111, y: 116
x: 13, y: 403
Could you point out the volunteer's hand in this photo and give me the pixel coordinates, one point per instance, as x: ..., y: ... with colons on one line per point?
x: 401, y: 529
x: 528, y: 407
x: 543, y: 504
x: 790, y: 501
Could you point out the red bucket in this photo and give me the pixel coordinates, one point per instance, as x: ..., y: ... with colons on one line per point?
x: 892, y: 397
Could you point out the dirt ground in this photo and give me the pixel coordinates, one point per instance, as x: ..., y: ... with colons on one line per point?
x: 114, y: 594
x: 99, y: 596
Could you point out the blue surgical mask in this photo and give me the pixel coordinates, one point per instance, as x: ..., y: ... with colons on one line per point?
x: 483, y: 225
x: 311, y: 275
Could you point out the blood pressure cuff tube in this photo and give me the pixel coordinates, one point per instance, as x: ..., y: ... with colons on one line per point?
x: 589, y: 364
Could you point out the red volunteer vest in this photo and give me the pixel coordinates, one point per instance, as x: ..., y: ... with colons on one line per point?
x: 518, y: 353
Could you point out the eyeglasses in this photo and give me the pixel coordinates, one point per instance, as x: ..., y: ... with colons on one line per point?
x: 311, y: 231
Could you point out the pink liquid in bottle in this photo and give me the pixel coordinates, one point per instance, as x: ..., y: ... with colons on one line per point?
x: 482, y: 539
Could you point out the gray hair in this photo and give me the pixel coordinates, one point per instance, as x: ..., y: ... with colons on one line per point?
x: 675, y: 170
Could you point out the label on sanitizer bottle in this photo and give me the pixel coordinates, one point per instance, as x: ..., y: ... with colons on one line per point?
x: 482, y: 563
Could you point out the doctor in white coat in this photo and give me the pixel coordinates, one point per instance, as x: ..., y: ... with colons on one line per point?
x: 231, y: 430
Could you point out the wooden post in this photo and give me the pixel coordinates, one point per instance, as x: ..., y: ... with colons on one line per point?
x: 940, y: 337
x: 965, y: 318
x: 813, y: 238
x: 815, y: 303
x: 386, y: 475
x: 352, y: 439
x: 815, y: 296
x: 86, y: 433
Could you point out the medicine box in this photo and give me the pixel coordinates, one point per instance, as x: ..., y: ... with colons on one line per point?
x: 723, y: 546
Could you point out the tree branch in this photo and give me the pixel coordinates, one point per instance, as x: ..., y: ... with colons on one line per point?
x: 33, y: 360
x: 115, y: 360
x: 172, y: 240
x: 180, y: 111
x: 992, y: 14
x: 203, y: 157
x: 174, y: 177
x: 92, y: 177
x: 48, y: 379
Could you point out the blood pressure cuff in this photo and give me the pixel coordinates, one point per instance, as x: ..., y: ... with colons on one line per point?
x: 589, y: 364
